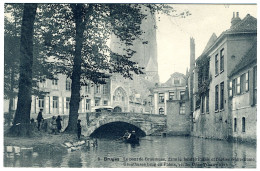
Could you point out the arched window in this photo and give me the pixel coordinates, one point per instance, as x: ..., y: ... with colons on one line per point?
x: 243, y: 124
x: 161, y: 111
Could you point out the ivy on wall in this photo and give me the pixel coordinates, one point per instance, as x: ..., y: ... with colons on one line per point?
x: 204, y: 78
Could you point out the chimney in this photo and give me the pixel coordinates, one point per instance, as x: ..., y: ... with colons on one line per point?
x: 192, y: 54
x: 235, y: 19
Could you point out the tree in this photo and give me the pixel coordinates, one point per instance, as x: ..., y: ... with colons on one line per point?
x: 22, y: 115
x: 42, y: 69
x: 11, y: 51
x: 77, y: 37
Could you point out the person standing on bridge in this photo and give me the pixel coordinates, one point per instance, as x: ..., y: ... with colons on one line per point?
x: 79, y: 129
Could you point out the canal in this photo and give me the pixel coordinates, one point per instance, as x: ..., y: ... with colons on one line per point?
x: 153, y: 151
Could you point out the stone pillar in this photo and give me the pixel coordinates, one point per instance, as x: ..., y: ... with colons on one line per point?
x: 156, y: 103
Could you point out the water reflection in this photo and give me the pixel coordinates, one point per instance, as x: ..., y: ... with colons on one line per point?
x: 178, y: 152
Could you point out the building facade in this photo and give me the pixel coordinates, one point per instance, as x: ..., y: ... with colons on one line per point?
x: 173, y: 89
x: 212, y: 117
x: 243, y: 97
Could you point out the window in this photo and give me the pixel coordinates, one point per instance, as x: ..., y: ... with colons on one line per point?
x: 97, y: 102
x: 230, y: 91
x: 55, y: 102
x: 207, y: 101
x: 202, y: 104
x: 105, y: 89
x: 171, y: 95
x: 235, y: 124
x: 161, y: 111
x: 233, y: 87
x: 216, y: 98
x: 87, y: 88
x: 238, y: 89
x: 243, y: 124
x: 216, y: 64
x: 41, y: 102
x: 222, y: 95
x: 54, y: 82
x: 182, y: 95
x: 255, y: 85
x: 68, y: 85
x: 97, y: 88
x: 246, y: 81
x: 67, y: 102
x: 161, y: 98
x: 105, y: 103
x: 87, y: 104
x: 222, y: 60
x: 182, y: 108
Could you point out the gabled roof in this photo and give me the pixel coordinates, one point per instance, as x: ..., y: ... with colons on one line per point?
x: 250, y: 57
x: 211, y: 41
x: 168, y: 83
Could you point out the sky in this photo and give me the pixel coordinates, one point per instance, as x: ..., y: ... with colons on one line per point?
x: 173, y: 34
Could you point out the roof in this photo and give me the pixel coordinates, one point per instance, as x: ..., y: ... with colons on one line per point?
x: 168, y: 83
x: 250, y: 57
x: 246, y: 25
x: 211, y: 41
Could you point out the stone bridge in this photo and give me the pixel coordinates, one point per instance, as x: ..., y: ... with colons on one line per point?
x: 150, y: 124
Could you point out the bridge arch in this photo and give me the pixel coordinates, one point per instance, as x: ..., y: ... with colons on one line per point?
x: 116, y: 129
x: 144, y: 130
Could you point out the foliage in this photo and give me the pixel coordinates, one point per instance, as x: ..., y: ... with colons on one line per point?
x: 204, y: 78
x: 42, y: 69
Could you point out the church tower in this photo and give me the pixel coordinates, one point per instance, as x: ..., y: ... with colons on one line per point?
x: 145, y: 46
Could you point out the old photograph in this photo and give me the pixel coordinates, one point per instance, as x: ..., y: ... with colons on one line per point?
x: 129, y: 85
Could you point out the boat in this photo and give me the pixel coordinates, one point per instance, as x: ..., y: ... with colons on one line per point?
x: 131, y: 140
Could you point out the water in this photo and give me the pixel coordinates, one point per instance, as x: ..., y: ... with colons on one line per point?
x: 172, y: 152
